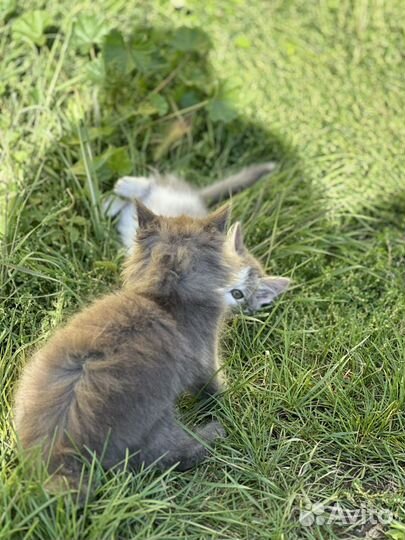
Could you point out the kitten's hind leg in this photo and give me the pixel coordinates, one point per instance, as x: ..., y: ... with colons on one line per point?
x: 177, y: 447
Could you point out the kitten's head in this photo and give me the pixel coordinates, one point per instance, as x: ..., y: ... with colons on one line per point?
x: 181, y: 258
x: 251, y: 289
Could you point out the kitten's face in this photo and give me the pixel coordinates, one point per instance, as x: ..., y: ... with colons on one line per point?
x: 251, y: 289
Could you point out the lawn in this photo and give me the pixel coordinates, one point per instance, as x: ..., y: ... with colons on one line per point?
x: 315, y: 405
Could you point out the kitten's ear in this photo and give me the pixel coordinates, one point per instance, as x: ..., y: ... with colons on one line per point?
x: 145, y: 216
x: 235, y: 237
x: 219, y: 219
x: 270, y: 287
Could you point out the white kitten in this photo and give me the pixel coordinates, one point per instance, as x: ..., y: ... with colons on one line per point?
x: 168, y: 195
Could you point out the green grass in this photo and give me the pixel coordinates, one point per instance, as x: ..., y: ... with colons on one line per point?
x: 315, y: 406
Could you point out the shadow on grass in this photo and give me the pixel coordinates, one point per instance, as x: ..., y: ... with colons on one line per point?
x: 57, y: 237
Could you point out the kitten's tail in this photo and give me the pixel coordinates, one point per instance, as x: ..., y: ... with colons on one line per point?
x: 231, y: 185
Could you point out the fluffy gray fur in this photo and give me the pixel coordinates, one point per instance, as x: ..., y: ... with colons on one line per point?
x: 108, y: 382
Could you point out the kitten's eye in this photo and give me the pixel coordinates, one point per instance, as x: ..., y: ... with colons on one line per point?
x: 237, y: 294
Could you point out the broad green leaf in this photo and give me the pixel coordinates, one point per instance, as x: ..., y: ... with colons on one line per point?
x: 31, y: 27
x: 189, y: 99
x: 155, y: 104
x: 221, y: 110
x: 190, y: 39
x: 141, y: 51
x: 146, y: 62
x: 112, y: 162
x: 95, y: 71
x: 87, y: 31
x: 222, y: 107
x: 116, y: 57
x: 147, y: 55
x: 119, y: 161
x: 6, y: 8
x: 194, y: 75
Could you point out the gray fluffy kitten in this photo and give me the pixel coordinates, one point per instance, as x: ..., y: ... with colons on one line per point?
x: 108, y: 381
x: 168, y: 195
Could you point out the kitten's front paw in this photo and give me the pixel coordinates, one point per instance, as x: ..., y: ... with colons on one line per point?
x: 132, y: 186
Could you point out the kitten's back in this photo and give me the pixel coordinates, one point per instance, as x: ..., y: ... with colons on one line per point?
x: 82, y: 382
